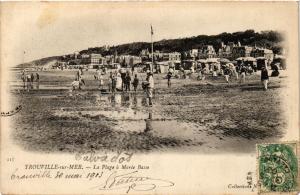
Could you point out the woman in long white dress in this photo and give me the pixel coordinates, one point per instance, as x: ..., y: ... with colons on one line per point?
x: 119, y: 82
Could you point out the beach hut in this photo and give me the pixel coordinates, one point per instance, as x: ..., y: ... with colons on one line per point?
x: 213, y: 64
x: 188, y: 64
x: 280, y: 61
x: 163, y: 67
x: 248, y: 61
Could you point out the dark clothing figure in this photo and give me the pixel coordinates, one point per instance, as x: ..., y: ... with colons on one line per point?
x: 135, y: 83
x: 215, y: 68
x: 37, y: 77
x: 32, y: 77
x: 110, y: 82
x: 226, y: 74
x: 254, y: 67
x: 127, y: 82
x: 264, y: 74
x: 264, y: 78
x: 275, y: 71
x: 123, y: 75
x: 226, y: 71
x: 169, y: 75
x: 243, y: 69
x: 113, y: 84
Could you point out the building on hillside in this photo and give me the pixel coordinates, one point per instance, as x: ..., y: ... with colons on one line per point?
x: 109, y: 59
x: 241, y: 51
x: 157, y: 55
x: 134, y: 60
x: 207, y: 51
x: 193, y: 53
x: 160, y: 56
x: 96, y: 59
x: 128, y: 60
x: 225, y: 51
x: 93, y: 60
x: 83, y: 56
x: 172, y: 56
x: 60, y: 64
x: 261, y: 52
x: 145, y: 53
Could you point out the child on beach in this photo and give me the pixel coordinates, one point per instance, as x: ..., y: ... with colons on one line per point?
x: 135, y: 82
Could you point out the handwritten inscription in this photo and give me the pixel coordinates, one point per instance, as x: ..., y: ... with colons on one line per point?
x: 119, y: 157
x: 132, y: 182
x: 11, y: 112
x: 103, y: 175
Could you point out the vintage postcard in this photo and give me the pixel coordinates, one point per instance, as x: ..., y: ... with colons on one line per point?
x: 149, y: 98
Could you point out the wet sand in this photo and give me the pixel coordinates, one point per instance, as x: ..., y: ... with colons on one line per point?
x: 194, y: 116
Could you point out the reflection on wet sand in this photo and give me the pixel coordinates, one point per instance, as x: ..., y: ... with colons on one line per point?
x: 125, y: 100
x: 149, y: 122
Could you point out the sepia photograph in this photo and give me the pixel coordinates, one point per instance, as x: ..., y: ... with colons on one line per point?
x: 151, y: 79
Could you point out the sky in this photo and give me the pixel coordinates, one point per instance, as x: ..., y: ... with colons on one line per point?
x: 45, y: 29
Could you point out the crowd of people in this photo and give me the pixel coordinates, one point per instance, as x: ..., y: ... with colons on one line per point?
x: 121, y: 80
x: 227, y: 70
x: 29, y: 79
x: 118, y: 81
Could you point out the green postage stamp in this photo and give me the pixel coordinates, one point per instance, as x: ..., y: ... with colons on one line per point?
x: 278, y: 167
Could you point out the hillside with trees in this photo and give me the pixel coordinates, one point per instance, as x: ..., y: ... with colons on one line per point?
x: 267, y: 39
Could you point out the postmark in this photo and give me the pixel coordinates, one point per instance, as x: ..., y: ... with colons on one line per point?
x: 277, y: 167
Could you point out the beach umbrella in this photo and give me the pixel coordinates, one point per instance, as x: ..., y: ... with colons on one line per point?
x: 260, y: 58
x: 202, y: 60
x: 240, y: 58
x: 224, y: 60
x: 212, y: 60
x: 251, y: 59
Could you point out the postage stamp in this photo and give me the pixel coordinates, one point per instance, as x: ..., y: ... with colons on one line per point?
x: 277, y: 167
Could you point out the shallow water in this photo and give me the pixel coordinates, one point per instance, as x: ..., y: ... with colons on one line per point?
x: 131, y: 114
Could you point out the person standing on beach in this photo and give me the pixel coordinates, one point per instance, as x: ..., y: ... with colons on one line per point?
x: 23, y: 77
x: 132, y: 70
x: 135, y: 82
x: 113, y: 84
x: 37, y: 77
x: 264, y: 77
x: 243, y: 74
x: 110, y: 78
x: 32, y: 78
x: 123, y: 77
x: 169, y: 75
x: 127, y: 81
x: 226, y: 73
x: 149, y: 84
x: 119, y: 83
x: 101, y: 82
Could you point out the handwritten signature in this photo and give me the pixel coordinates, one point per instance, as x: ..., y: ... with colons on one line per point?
x: 131, y: 182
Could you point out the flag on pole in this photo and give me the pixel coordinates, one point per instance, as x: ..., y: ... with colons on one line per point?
x: 151, y: 30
